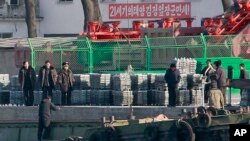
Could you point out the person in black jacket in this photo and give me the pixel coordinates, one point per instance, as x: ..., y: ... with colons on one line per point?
x: 47, y: 78
x: 172, y: 77
x: 236, y: 6
x: 27, y: 80
x: 243, y: 73
x: 66, y: 80
x: 45, y: 108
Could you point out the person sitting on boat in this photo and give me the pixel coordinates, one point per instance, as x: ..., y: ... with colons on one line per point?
x: 215, y: 95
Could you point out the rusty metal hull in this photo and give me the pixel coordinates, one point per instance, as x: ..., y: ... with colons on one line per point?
x: 127, y: 130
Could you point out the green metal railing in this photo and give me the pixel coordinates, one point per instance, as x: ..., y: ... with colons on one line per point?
x: 144, y: 54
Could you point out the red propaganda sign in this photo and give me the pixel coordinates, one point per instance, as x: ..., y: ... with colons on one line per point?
x: 150, y: 10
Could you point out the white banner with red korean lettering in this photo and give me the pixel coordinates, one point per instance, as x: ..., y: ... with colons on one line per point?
x: 150, y: 10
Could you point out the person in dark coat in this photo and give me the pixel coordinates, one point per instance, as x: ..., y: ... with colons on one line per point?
x: 206, y: 71
x: 236, y: 6
x: 243, y: 74
x: 66, y: 80
x: 220, y: 75
x: 45, y: 108
x: 27, y: 80
x: 47, y: 78
x: 172, y: 77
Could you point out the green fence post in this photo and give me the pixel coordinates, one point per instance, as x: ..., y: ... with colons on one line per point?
x: 149, y: 53
x: 177, y: 47
x: 61, y: 54
x: 177, y: 52
x: 119, y: 57
x: 32, y: 53
x: 231, y: 45
x: 90, y: 55
x: 204, y: 42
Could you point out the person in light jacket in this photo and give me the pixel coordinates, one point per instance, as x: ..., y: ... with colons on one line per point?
x: 216, y: 98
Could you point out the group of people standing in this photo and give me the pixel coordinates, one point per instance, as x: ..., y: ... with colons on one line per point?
x: 215, y: 88
x: 48, y: 79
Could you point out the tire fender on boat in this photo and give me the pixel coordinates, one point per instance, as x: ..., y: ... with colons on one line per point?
x: 184, y: 131
x: 212, y: 111
x: 96, y: 136
x: 73, y: 138
x: 108, y: 134
x: 151, y: 133
x: 111, y: 134
x: 204, y: 120
x: 201, y: 110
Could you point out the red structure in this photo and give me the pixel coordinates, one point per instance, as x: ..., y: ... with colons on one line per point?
x: 110, y: 30
x: 230, y: 22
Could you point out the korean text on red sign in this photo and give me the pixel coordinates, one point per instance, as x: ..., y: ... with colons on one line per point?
x: 150, y: 10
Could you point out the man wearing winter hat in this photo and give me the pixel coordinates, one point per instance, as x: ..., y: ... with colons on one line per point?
x: 66, y: 80
x: 216, y: 99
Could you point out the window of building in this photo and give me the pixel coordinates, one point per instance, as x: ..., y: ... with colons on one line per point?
x: 60, y: 35
x: 6, y: 35
x: 108, y: 0
x: 2, y: 2
x: 12, y: 2
x: 65, y: 0
x: 148, y: 0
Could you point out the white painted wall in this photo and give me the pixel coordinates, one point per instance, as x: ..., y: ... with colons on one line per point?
x: 61, y: 18
x: 10, y: 24
x: 18, y: 28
